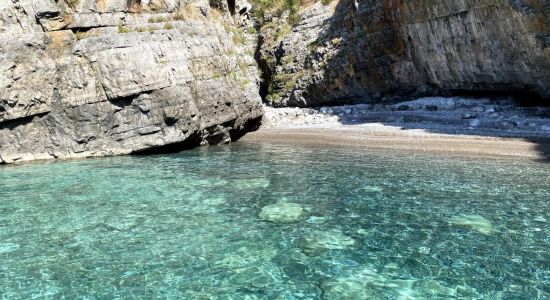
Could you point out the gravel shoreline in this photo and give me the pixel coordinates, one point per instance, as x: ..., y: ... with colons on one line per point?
x: 464, y: 126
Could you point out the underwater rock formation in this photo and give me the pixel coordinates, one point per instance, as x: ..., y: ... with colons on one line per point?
x: 320, y: 241
x: 474, y: 222
x: 282, y: 212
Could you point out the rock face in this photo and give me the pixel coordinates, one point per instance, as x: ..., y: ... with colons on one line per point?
x: 105, y: 77
x: 356, y: 51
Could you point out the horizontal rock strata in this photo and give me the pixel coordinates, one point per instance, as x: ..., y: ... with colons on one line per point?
x: 93, y: 78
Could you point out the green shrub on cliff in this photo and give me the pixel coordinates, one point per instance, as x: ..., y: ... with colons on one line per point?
x: 187, y: 12
x: 80, y: 35
x: 159, y: 19
x: 122, y: 29
x: 282, y: 85
x: 277, y: 7
x: 282, y: 32
x: 168, y: 26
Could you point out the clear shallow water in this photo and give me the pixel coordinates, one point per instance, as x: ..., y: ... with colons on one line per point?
x: 363, y: 225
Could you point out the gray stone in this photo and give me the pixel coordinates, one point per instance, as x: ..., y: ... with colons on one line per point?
x: 468, y: 116
x: 475, y: 123
x: 284, y: 212
x: 475, y: 222
x: 490, y: 110
x: 507, y: 124
x: 478, y: 109
x: 120, y: 82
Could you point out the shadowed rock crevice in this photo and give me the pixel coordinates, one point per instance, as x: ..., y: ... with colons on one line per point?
x: 123, y: 102
x: 251, y: 125
x: 231, y: 6
x: 265, y: 70
x: 191, y: 142
x: 212, y: 136
x: 14, y: 123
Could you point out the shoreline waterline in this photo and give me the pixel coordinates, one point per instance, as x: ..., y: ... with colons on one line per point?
x: 381, y: 137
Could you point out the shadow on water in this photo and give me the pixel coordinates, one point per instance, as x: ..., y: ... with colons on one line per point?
x: 364, y: 65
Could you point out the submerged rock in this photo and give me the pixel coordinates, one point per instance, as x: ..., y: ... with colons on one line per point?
x: 246, y: 256
x: 253, y: 183
x: 475, y: 222
x: 282, y: 212
x: 367, y: 283
x: 320, y: 241
x: 434, y: 287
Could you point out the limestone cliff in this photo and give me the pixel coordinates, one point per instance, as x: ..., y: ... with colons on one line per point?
x: 102, y: 77
x: 376, y: 50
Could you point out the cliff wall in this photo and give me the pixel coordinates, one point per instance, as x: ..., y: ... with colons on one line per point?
x: 361, y: 51
x: 102, y: 77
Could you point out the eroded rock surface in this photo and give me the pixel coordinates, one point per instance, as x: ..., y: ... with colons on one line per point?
x: 105, y: 77
x: 357, y: 51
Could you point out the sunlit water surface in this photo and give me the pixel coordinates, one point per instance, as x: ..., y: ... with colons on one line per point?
x: 335, y: 224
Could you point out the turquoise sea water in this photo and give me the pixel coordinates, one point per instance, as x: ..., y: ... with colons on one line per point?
x: 258, y: 221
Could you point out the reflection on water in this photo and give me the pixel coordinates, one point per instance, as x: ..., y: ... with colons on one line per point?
x: 258, y: 221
